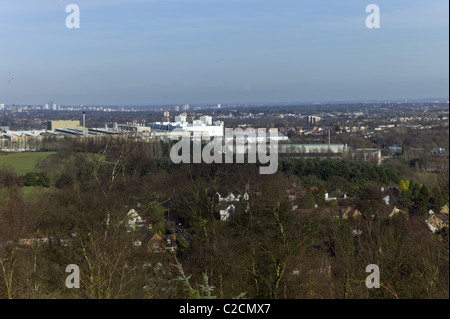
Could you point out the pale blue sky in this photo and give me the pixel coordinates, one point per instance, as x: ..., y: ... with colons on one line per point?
x: 220, y: 51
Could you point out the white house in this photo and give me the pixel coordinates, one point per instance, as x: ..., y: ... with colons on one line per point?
x: 133, y: 221
x: 230, y: 198
x: 328, y: 198
x: 226, y: 214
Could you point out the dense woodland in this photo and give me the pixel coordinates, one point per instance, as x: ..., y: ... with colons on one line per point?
x: 267, y: 250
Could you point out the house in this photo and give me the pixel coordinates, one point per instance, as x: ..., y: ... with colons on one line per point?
x: 228, y: 213
x: 66, y: 241
x: 444, y: 210
x: 232, y: 198
x: 436, y: 222
x: 160, y: 243
x: 133, y: 221
x: 226, y: 206
x: 390, y: 195
x: 229, y: 198
x: 351, y: 213
x: 293, y: 192
x: 37, y: 238
x: 152, y: 242
x: 74, y: 233
x: 338, y: 194
x: 141, y: 237
x: 396, y: 211
x: 63, y: 242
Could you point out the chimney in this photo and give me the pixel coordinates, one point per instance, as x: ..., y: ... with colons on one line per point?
x: 84, y: 119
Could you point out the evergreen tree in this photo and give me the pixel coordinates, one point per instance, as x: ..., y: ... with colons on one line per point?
x: 29, y: 179
x: 43, y: 180
x: 321, y: 195
x: 308, y: 199
x: 415, y: 191
x: 422, y: 200
x: 438, y: 199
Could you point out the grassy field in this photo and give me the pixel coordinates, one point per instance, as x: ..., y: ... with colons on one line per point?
x: 23, y: 162
x: 34, y: 191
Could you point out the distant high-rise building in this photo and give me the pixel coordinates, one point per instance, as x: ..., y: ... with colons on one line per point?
x: 180, y: 118
x: 206, y: 120
x: 219, y: 106
x: 185, y: 107
x: 177, y: 108
x: 166, y: 114
x: 52, y: 106
x: 313, y: 119
x: 2, y: 106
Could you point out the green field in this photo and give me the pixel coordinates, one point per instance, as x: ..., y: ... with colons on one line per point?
x: 23, y: 162
x: 30, y: 191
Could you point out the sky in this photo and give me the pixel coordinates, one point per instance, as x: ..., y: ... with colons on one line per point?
x: 150, y: 52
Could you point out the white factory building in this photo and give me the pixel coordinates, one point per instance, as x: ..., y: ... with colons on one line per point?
x: 204, y: 127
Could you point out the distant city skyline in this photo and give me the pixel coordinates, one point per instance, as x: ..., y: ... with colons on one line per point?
x: 178, y: 107
x: 177, y: 52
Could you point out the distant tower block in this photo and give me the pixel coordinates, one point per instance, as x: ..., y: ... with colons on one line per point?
x: 84, y: 119
x: 219, y: 106
x: 313, y: 119
x: 177, y: 108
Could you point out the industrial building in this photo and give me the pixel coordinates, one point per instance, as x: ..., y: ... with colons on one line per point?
x: 204, y: 127
x: 366, y: 155
x: 312, y: 148
x: 54, y: 125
